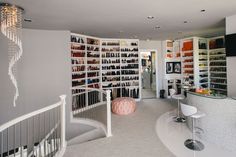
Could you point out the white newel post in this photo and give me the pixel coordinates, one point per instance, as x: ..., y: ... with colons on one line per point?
x: 63, y: 119
x: 108, y: 92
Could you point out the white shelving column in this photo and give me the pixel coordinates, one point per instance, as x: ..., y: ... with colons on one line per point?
x: 79, y: 70
x: 217, y: 65
x: 110, y: 64
x: 172, y: 54
x: 201, y: 78
x: 187, y: 57
x: 130, y: 68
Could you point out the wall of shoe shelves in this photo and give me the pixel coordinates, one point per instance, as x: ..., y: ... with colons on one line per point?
x: 203, y: 62
x: 120, y: 67
x: 217, y: 65
x: 108, y: 64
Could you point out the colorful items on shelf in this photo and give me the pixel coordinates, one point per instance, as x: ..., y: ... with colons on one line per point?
x: 203, y: 91
x: 187, y: 46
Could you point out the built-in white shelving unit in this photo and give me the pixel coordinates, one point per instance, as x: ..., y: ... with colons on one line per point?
x: 203, y: 61
x: 201, y: 78
x: 187, y: 58
x: 108, y: 64
x: 85, y: 60
x: 120, y: 67
x: 172, y: 54
x: 217, y: 65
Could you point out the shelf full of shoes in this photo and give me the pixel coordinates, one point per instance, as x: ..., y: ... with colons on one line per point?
x: 201, y: 78
x: 111, y: 63
x: 187, y: 58
x: 172, y: 54
x: 217, y: 64
x: 130, y: 68
x: 85, y: 60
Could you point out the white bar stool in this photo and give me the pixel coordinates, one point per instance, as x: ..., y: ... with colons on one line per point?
x: 178, y: 97
x: 192, y: 112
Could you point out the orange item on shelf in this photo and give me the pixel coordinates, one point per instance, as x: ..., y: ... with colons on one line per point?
x: 188, y: 66
x: 188, y: 60
x: 189, y: 54
x: 178, y: 54
x: 169, y: 56
x: 187, y: 46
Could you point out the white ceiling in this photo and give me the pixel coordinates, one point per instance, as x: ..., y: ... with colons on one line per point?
x: 106, y: 18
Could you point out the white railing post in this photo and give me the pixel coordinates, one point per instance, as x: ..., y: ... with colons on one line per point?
x: 108, y: 93
x: 63, y: 121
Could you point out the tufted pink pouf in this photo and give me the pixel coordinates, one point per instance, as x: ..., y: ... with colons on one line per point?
x: 123, y: 106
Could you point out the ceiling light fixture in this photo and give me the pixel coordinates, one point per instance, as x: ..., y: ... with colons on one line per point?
x: 203, y: 10
x: 150, y: 17
x: 185, y: 21
x: 157, y: 27
x: 27, y: 20
x: 11, y: 27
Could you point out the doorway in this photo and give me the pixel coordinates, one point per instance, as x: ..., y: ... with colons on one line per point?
x: 149, y: 74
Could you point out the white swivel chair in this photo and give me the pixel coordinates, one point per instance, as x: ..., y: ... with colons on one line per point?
x: 192, y: 112
x: 178, y: 97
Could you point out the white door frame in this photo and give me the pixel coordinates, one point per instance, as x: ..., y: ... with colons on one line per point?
x: 157, y: 69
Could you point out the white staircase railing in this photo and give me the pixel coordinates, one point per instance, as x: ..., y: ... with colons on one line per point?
x: 93, y: 106
x: 38, y: 134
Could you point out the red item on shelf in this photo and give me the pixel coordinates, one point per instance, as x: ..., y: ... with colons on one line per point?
x: 187, y: 46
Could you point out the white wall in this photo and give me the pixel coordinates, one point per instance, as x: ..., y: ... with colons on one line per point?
x: 155, y: 45
x: 231, y: 61
x: 44, y: 73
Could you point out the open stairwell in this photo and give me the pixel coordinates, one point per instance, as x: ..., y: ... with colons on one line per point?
x: 37, y: 134
x: 91, y: 107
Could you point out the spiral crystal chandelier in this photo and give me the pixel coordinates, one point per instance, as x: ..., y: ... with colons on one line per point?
x: 11, y: 28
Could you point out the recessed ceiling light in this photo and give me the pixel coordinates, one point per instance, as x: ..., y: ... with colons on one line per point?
x: 203, y: 10
x: 27, y: 20
x: 157, y: 27
x: 150, y: 17
x: 185, y: 21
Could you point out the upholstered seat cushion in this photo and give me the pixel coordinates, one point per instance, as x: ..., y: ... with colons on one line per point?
x: 123, y: 106
x: 178, y: 97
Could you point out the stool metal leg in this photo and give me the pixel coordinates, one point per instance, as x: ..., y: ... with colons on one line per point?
x: 193, y: 144
x: 179, y: 118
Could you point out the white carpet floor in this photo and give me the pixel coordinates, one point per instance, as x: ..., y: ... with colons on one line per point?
x: 148, y: 93
x: 133, y: 135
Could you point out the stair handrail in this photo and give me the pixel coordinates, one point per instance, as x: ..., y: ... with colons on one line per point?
x: 60, y: 104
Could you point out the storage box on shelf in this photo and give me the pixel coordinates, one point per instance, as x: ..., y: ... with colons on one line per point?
x: 217, y: 64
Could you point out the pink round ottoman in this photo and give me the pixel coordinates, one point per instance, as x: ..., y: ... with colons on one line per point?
x: 123, y: 106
